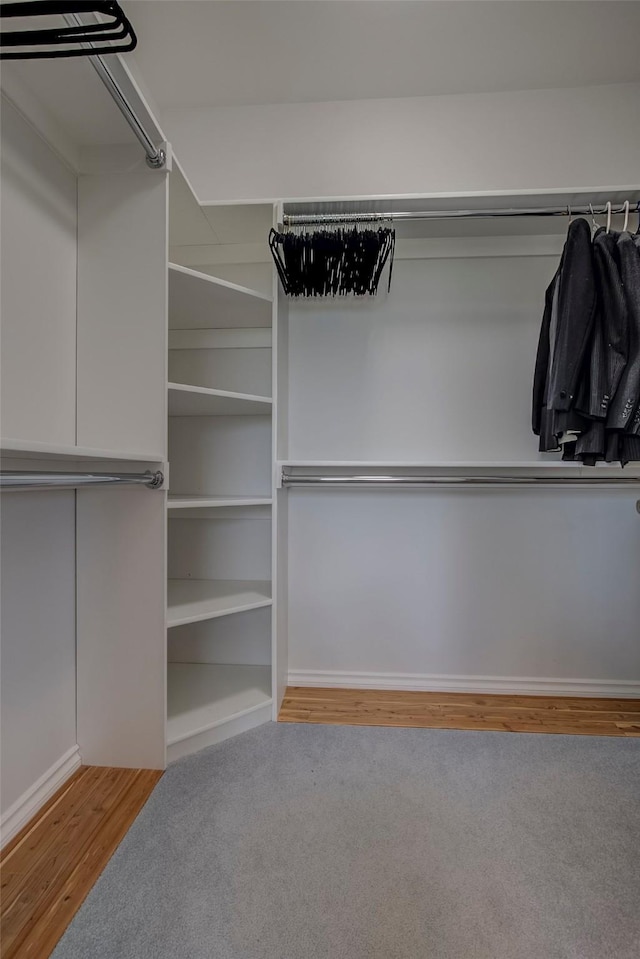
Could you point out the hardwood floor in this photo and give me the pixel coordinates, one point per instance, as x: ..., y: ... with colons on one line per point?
x: 50, y: 866
x: 531, y: 714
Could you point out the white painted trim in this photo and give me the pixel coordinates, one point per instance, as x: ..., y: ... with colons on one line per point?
x: 24, y: 808
x: 427, y: 682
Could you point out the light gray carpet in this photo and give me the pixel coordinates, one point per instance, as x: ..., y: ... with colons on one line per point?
x: 336, y: 842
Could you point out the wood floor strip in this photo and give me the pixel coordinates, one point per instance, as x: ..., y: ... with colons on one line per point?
x: 473, y: 712
x: 581, y: 716
x: 26, y: 831
x: 379, y: 696
x: 45, y: 839
x: 49, y: 868
x: 67, y: 845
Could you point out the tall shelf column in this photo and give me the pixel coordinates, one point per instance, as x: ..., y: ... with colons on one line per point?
x: 220, y: 499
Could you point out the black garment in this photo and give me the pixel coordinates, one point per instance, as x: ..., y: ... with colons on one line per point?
x: 624, y: 403
x: 541, y: 371
x: 610, y: 344
x: 630, y: 449
x: 586, y: 391
x: 577, y: 304
x: 608, y: 352
x: 561, y: 357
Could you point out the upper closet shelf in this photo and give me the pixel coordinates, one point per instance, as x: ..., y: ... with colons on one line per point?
x: 200, y: 301
x: 463, y: 465
x: 195, y: 600
x: 28, y: 449
x: 198, y: 401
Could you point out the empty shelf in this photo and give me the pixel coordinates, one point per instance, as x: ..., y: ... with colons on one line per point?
x: 200, y: 301
x: 31, y: 449
x: 202, y: 502
x: 198, y: 401
x: 193, y: 600
x: 202, y: 696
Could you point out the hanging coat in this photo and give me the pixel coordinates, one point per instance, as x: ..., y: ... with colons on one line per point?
x: 625, y: 402
x: 562, y: 351
x: 608, y: 349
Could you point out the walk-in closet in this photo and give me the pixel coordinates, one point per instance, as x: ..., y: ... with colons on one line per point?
x: 320, y: 414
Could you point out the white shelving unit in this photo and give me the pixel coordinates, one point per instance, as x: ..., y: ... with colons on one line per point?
x: 195, y: 600
x: 200, y: 401
x: 219, y: 553
x: 83, y: 380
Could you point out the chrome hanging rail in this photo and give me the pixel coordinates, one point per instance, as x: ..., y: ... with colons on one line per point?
x: 318, y: 219
x: 156, y: 158
x: 35, y: 480
x: 430, y: 480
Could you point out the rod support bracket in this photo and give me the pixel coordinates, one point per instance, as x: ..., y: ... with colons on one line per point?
x: 158, y: 161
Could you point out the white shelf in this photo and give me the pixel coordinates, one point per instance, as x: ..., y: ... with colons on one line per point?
x: 240, y: 339
x: 202, y: 696
x: 199, y: 401
x: 204, y: 502
x: 194, y: 600
x: 29, y: 449
x: 199, y: 301
x: 461, y: 465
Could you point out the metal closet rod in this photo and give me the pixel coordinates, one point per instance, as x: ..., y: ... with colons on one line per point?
x: 37, y: 480
x: 288, y: 479
x: 309, y: 219
x: 156, y: 158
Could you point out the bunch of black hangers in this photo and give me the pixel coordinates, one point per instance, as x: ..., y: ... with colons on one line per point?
x: 586, y: 389
x: 335, y: 262
x: 49, y: 38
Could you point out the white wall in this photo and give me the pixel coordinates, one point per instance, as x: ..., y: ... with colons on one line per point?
x: 437, y: 589
x: 39, y: 257
x: 438, y: 370
x: 38, y: 397
x: 38, y: 637
x: 542, y: 139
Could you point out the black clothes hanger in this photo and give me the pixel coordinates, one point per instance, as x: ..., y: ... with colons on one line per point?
x: 65, y: 40
x: 338, y: 262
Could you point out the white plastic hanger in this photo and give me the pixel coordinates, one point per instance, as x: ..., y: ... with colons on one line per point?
x: 626, y: 216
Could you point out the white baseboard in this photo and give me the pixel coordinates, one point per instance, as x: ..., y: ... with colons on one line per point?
x: 36, y: 796
x: 439, y: 683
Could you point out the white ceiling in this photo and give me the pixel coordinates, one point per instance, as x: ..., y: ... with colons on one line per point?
x: 230, y: 52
